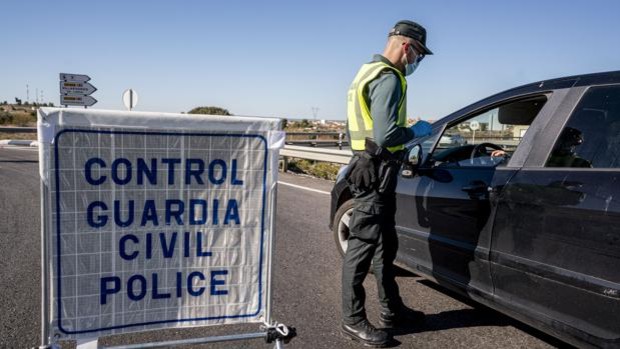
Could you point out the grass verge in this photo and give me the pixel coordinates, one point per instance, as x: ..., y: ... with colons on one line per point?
x: 317, y: 169
x: 7, y: 135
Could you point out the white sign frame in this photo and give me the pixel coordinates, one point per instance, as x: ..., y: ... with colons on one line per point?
x: 54, y: 123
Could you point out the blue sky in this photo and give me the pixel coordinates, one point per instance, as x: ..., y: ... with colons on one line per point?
x: 281, y: 58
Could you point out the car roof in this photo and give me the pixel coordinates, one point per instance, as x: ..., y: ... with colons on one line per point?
x: 541, y: 86
x: 570, y: 81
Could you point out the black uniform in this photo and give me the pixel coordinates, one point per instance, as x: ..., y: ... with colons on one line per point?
x: 372, y: 226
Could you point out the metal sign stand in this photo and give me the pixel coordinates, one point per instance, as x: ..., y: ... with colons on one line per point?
x: 271, y: 335
x: 45, y: 296
x: 272, y: 332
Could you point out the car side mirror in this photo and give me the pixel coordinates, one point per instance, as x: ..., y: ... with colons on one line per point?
x: 412, y: 161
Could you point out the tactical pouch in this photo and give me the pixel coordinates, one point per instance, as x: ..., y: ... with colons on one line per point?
x: 387, y: 176
x: 366, y: 222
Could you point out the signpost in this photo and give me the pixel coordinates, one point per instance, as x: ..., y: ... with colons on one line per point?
x: 130, y: 99
x: 75, y: 90
x: 164, y: 226
x: 474, y: 126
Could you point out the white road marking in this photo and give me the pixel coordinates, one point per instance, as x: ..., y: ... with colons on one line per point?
x: 304, y: 188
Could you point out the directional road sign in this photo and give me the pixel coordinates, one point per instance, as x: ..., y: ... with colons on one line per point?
x: 85, y: 101
x: 74, y: 77
x: 75, y: 90
x: 74, y: 87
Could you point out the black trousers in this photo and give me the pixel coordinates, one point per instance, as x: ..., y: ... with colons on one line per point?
x: 372, y: 238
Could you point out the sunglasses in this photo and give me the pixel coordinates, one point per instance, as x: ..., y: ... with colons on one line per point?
x: 419, y: 56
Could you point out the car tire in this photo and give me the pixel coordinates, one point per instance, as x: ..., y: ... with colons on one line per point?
x: 341, y: 225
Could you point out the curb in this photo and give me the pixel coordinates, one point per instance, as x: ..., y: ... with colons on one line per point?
x: 19, y: 142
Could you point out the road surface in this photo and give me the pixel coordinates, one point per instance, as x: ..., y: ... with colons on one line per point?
x: 306, y: 291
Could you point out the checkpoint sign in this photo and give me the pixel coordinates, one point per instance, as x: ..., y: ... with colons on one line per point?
x: 156, y: 228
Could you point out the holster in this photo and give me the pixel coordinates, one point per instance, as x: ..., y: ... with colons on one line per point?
x: 389, y: 163
x: 387, y: 176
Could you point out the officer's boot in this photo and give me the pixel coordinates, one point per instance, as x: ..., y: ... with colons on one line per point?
x: 366, y: 333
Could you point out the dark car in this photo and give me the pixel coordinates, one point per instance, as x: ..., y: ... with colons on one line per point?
x: 525, y: 216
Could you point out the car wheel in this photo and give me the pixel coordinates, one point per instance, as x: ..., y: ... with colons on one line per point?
x: 341, y: 225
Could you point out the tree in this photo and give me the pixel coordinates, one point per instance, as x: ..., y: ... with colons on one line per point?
x: 284, y: 124
x: 5, y: 118
x: 210, y: 110
x: 304, y: 123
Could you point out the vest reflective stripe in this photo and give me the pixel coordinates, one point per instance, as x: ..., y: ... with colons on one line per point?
x: 359, y: 120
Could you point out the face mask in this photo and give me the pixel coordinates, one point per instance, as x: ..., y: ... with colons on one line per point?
x: 411, y: 67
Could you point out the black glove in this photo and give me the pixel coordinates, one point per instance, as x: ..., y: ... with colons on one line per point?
x: 363, y: 172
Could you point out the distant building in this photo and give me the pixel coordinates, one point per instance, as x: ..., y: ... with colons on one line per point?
x: 518, y: 131
x: 412, y: 121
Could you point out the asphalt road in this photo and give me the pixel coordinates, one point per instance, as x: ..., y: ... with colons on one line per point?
x: 306, y: 285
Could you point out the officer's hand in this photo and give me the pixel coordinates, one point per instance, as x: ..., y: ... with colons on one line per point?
x: 363, y: 174
x: 421, y: 128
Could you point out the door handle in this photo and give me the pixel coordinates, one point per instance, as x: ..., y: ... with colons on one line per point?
x: 572, y: 186
x: 476, y: 187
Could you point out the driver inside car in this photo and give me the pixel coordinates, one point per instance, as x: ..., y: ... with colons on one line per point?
x: 499, y: 153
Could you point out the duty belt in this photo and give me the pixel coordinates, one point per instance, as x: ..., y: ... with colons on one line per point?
x: 377, y: 151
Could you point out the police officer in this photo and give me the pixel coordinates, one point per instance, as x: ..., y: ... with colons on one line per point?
x: 377, y: 126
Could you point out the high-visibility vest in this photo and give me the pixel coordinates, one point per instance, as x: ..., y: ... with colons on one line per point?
x: 359, y: 119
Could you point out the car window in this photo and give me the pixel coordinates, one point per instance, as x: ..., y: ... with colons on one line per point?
x: 425, y: 142
x: 488, y: 138
x: 591, y: 137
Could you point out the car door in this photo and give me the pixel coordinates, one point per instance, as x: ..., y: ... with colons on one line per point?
x: 556, y: 241
x: 445, y: 212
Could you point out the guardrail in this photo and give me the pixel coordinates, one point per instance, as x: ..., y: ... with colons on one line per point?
x: 289, y: 151
x: 314, y: 135
x: 6, y: 129
x: 319, y: 143
x: 327, y: 155
x: 317, y: 139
